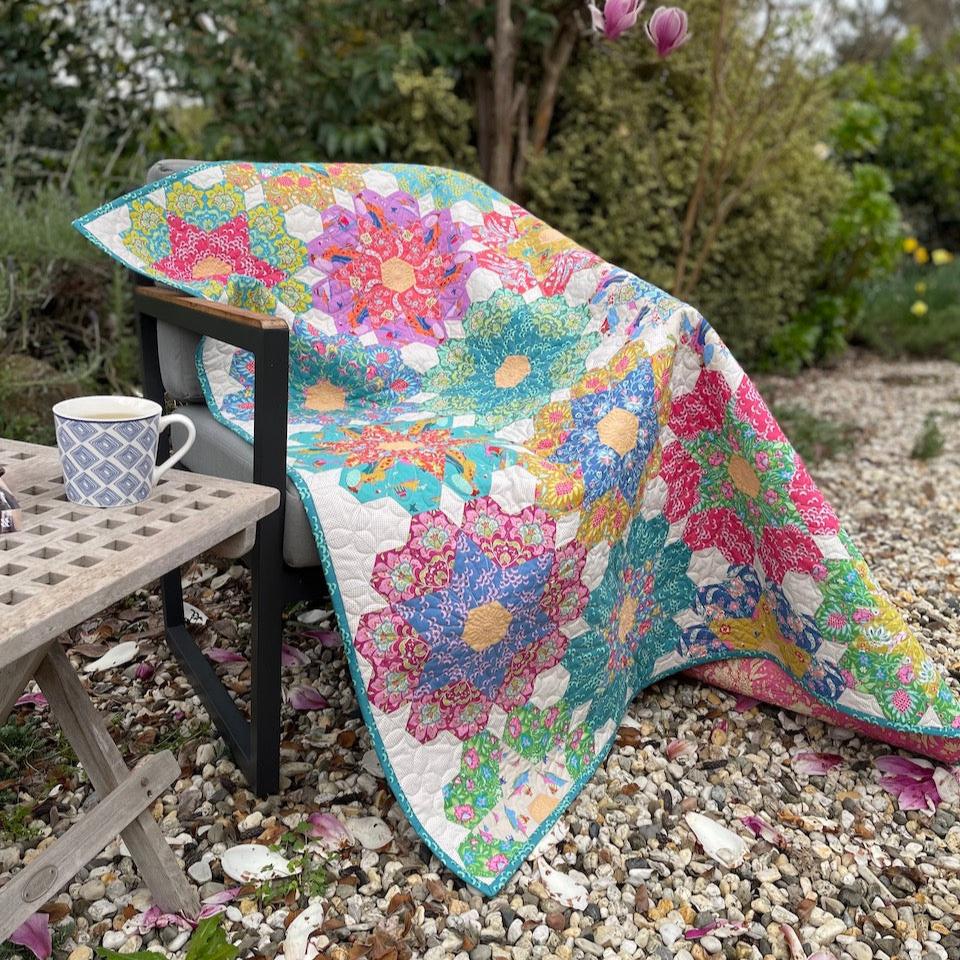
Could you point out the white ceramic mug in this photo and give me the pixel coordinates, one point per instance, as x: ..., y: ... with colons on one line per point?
x: 108, y: 448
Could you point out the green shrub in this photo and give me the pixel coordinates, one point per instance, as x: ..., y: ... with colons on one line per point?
x: 889, y: 325
x: 903, y: 113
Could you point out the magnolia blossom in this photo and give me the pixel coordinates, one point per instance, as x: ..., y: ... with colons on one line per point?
x: 617, y: 18
x: 667, y: 29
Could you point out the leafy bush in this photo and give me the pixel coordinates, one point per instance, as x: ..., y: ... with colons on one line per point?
x: 624, y: 160
x: 903, y: 114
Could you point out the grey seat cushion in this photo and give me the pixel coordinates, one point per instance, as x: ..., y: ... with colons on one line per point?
x: 219, y: 451
x: 177, y: 347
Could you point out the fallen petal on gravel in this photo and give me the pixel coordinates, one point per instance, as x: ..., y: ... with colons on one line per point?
x: 301, y: 930
x: 115, y: 657
x: 815, y: 764
x: 562, y: 888
x: 718, y: 842
x: 305, y: 697
x: 328, y: 829
x: 34, y: 934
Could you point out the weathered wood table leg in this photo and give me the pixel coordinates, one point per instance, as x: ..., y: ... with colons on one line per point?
x: 124, y: 797
x: 14, y: 678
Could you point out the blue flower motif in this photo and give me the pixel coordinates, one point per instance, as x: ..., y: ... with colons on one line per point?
x: 612, y: 434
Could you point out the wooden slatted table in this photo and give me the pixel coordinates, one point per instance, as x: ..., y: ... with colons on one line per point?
x: 65, y: 565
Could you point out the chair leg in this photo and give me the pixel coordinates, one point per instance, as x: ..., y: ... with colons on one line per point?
x: 266, y: 640
x: 255, y: 744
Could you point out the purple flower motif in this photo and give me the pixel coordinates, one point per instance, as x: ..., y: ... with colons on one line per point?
x: 667, y: 30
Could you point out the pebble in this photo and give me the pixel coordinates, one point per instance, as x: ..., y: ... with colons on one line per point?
x: 624, y: 839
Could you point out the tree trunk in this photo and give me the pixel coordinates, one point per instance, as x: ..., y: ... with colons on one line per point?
x: 504, y: 68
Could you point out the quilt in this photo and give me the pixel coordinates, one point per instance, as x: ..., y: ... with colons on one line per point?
x: 537, y: 484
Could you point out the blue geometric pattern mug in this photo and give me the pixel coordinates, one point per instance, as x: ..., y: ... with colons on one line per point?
x: 108, y: 448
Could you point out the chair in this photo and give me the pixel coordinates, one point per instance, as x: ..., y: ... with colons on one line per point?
x: 283, y: 561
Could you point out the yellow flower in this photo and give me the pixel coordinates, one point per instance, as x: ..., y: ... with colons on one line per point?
x: 920, y: 287
x: 941, y: 256
x: 919, y: 309
x: 921, y: 255
x: 910, y: 244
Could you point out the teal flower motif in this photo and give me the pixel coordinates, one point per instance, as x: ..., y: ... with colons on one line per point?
x: 513, y: 355
x: 631, y: 619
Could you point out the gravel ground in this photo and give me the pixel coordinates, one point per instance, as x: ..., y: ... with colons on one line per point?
x: 849, y: 874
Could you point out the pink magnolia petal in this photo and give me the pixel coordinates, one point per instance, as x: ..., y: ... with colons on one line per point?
x: 292, y: 657
x: 145, y: 670
x: 221, y: 655
x: 912, y: 794
x: 217, y: 903
x: 815, y: 764
x: 676, y: 749
x: 34, y: 934
x: 793, y: 943
x: 37, y: 700
x: 328, y: 639
x: 761, y: 828
x: 305, y: 697
x: 720, y: 924
x: 156, y: 919
x: 947, y: 782
x: 329, y: 830
x: 904, y: 766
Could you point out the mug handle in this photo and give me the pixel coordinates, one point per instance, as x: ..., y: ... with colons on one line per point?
x: 175, y: 458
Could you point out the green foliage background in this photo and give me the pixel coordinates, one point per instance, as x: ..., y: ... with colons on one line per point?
x: 88, y: 101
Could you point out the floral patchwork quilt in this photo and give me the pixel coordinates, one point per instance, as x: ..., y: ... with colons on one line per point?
x: 537, y: 485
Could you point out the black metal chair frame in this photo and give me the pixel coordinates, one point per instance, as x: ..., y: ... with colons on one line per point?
x: 254, y: 743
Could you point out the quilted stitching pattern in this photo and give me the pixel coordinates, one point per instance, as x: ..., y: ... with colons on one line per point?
x: 537, y: 485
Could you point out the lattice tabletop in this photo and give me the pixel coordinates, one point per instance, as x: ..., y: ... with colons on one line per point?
x: 69, y: 562
x: 65, y: 565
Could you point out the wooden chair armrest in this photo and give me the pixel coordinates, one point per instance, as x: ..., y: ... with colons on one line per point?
x: 183, y: 310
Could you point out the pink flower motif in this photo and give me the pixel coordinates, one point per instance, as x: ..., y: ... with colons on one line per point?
x: 762, y: 460
x: 472, y: 758
x: 515, y: 727
x: 703, y: 408
x: 463, y: 812
x: 862, y: 615
x: 905, y: 673
x: 215, y: 254
x: 617, y: 18
x: 836, y: 620
x: 786, y: 549
x: 667, y: 30
x: 721, y: 528
x: 817, y: 514
x: 901, y: 700
x: 682, y: 475
x: 497, y: 863
x: 752, y: 408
